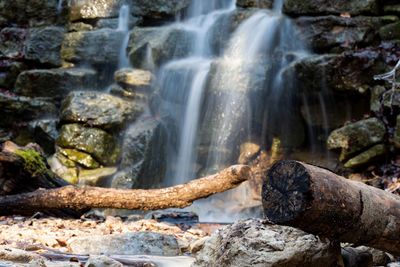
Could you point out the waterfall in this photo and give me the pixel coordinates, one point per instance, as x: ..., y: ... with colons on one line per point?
x: 123, y: 26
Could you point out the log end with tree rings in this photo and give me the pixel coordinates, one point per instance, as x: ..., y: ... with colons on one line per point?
x: 285, y: 191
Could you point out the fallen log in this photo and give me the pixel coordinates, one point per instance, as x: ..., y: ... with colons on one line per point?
x: 323, y: 203
x: 72, y: 197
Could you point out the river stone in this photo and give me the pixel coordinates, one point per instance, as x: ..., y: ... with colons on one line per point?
x: 163, y: 43
x: 367, y: 156
x: 376, y: 97
x: 396, y: 135
x: 136, y: 243
x: 255, y: 243
x: 12, y: 42
x: 102, y: 261
x: 79, y: 27
x: 357, y: 136
x: 336, y: 7
x: 44, y: 45
x: 64, y: 168
x: 37, y: 13
x: 143, y: 160
x: 132, y: 79
x: 255, y: 3
x: 390, y: 31
x: 82, y: 158
x: 341, y: 33
x: 157, y: 9
x: 17, y: 109
x: 92, y: 9
x: 53, y: 82
x: 84, y: 46
x: 96, y: 177
x: 101, y: 145
x: 98, y: 109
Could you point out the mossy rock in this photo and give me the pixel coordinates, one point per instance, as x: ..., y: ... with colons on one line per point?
x: 82, y: 158
x: 390, y: 31
x: 101, y: 145
x: 367, y: 156
x: 356, y: 137
x: 33, y: 162
x: 96, y: 177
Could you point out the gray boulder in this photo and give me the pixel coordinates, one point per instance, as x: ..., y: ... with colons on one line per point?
x: 136, y: 243
x: 53, y: 82
x: 336, y: 7
x: 44, y: 45
x: 258, y: 244
x: 357, y: 136
x: 134, y: 79
x: 84, y: 47
x: 16, y: 109
x: 37, y: 13
x: 143, y: 159
x: 101, y: 145
x: 99, y: 110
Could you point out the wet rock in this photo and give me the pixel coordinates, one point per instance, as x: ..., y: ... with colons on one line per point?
x: 37, y: 13
x: 390, y: 31
x: 53, y: 82
x: 101, y: 145
x: 367, y: 156
x: 79, y: 27
x: 117, y: 90
x: 44, y: 45
x: 17, y: 109
x: 64, y: 168
x: 357, y: 68
x: 157, y: 44
x: 102, y: 261
x: 138, y: 243
x: 254, y: 243
x: 84, y: 46
x: 99, y: 110
x: 376, y: 97
x: 8, y: 78
x: 143, y: 160
x: 92, y: 9
x: 255, y: 3
x: 341, y: 33
x: 12, y: 42
x: 96, y: 177
x: 113, y: 23
x: 134, y: 79
x: 82, y: 158
x: 357, y: 136
x: 320, y: 7
x: 391, y: 100
x: 396, y: 135
x: 379, y: 257
x: 158, y: 8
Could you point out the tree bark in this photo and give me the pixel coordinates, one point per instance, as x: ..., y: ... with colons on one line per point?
x: 323, y: 203
x: 72, y: 197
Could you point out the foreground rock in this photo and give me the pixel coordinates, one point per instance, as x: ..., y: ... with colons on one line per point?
x: 99, y: 110
x: 140, y: 243
x: 255, y: 243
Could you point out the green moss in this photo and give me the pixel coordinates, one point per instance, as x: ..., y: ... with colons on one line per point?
x: 33, y: 162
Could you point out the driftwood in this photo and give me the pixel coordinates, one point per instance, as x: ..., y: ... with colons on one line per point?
x: 323, y: 203
x: 72, y: 197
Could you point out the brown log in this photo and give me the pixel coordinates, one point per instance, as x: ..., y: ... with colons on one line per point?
x: 323, y: 203
x: 72, y: 197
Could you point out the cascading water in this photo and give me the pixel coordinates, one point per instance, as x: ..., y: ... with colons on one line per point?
x: 123, y: 26
x: 211, y: 97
